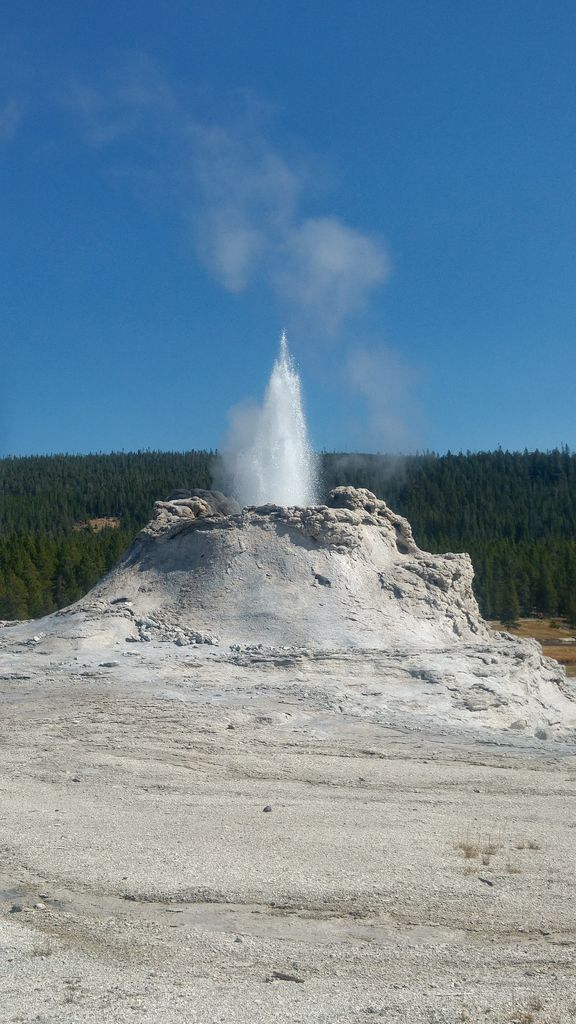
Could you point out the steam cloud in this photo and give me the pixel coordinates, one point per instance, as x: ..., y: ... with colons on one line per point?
x: 249, y: 227
x: 241, y: 196
x: 243, y: 201
x: 384, y: 382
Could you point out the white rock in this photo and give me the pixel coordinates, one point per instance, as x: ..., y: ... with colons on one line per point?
x: 397, y: 628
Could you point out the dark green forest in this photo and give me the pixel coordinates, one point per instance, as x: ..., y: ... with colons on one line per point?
x: 515, y: 513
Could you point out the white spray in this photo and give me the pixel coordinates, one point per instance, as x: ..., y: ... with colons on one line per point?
x: 273, y: 461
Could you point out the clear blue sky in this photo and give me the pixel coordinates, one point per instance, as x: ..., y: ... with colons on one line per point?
x: 393, y: 182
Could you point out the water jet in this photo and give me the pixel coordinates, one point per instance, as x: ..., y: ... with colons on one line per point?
x: 275, y: 461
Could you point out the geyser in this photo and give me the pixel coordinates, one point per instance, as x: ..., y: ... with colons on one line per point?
x: 270, y: 459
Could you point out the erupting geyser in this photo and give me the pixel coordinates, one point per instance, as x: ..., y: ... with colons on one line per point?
x: 275, y: 462
x: 336, y: 597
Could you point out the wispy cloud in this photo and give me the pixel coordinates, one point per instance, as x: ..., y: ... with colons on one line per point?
x: 385, y: 383
x: 11, y: 111
x: 243, y: 197
x: 329, y: 268
x: 125, y: 103
x: 247, y: 203
x: 250, y: 227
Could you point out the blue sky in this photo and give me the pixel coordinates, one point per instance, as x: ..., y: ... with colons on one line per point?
x: 392, y: 182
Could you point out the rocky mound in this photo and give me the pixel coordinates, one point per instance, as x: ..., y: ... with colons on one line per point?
x: 334, y: 601
x: 346, y: 574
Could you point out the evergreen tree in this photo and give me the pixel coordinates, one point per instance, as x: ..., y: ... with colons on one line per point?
x: 510, y: 605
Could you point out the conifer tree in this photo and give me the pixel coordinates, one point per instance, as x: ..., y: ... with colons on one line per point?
x: 510, y: 607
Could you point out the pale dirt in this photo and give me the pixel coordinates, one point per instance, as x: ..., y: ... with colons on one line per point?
x: 134, y: 814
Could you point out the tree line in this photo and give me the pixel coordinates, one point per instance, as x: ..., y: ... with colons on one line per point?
x: 514, y: 512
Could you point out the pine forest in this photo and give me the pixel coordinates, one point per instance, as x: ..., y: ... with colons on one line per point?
x: 66, y: 519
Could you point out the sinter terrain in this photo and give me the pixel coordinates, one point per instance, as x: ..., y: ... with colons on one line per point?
x: 276, y: 768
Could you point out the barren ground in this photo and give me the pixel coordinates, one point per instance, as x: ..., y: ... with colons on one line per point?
x: 406, y: 872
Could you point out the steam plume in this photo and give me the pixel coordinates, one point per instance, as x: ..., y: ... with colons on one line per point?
x: 269, y: 457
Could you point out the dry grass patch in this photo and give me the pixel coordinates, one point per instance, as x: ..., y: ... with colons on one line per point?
x: 476, y: 852
x: 98, y: 524
x: 550, y: 636
x: 527, y: 844
x: 469, y: 850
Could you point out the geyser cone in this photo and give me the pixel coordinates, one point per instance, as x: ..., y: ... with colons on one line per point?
x: 337, y: 594
x: 344, y: 575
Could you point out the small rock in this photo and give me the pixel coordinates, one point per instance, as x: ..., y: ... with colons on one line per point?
x: 541, y: 733
x: 16, y: 908
x: 267, y: 809
x: 323, y: 581
x: 238, y: 939
x: 230, y: 726
x: 39, y: 906
x: 486, y: 881
x: 284, y: 976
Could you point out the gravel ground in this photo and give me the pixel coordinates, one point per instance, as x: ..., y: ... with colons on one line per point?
x: 407, y: 871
